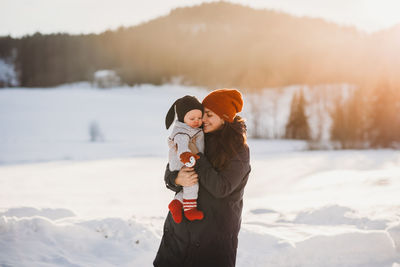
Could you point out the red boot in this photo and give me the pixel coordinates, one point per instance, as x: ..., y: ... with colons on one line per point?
x: 175, y: 207
x: 191, y: 211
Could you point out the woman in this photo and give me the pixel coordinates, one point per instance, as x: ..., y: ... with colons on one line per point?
x: 222, y: 173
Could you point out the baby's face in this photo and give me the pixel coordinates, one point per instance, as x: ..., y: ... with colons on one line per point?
x: 193, y: 118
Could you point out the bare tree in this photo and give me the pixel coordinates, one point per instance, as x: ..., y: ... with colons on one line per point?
x: 95, y: 132
x: 254, y: 100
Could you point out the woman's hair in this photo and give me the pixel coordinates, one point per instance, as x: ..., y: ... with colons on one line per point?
x: 225, y: 143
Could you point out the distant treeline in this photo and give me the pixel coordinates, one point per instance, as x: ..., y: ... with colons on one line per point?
x: 367, y: 117
x: 216, y: 45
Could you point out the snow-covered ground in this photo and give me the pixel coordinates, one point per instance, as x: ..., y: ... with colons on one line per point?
x: 66, y: 201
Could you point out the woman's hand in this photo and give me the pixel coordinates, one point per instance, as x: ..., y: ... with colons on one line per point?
x: 192, y: 146
x: 186, y: 177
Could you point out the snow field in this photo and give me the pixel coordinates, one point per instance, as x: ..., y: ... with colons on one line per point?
x: 65, y: 201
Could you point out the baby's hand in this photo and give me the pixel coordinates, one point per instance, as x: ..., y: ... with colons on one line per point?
x: 192, y: 145
x: 189, y: 159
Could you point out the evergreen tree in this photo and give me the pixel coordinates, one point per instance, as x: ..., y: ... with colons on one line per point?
x: 297, y: 126
x: 349, y: 121
x: 384, y: 123
x: 339, y: 126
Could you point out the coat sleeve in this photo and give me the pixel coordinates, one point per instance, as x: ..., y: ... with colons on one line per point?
x: 182, y: 142
x: 169, y: 179
x: 223, y: 183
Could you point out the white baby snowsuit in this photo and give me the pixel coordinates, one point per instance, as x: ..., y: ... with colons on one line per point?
x: 178, y: 143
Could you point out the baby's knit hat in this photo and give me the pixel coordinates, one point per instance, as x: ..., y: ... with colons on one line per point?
x: 182, y: 106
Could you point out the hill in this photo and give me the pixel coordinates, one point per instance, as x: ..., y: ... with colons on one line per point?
x: 213, y: 44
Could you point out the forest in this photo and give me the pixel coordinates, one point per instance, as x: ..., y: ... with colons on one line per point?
x: 212, y: 45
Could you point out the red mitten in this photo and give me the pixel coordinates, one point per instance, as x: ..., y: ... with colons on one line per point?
x: 189, y: 159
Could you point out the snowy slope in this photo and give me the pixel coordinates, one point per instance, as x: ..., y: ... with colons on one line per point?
x: 43, y: 124
x: 65, y: 201
x: 38, y: 125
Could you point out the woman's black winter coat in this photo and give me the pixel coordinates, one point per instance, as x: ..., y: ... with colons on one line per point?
x: 213, y: 240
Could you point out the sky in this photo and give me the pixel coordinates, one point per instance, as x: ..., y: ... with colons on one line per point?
x: 21, y: 17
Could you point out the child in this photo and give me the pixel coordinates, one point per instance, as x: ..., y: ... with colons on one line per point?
x: 190, y: 112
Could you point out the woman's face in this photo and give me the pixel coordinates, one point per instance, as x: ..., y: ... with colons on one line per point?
x: 211, y: 121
